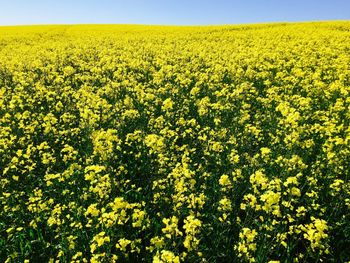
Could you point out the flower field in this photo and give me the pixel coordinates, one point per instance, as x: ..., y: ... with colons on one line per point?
x: 175, y: 144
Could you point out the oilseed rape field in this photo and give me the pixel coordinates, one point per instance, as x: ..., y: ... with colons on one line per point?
x: 122, y: 143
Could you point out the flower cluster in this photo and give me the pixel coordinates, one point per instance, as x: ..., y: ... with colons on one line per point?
x: 175, y: 144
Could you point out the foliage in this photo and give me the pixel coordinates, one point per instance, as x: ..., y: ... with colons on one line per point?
x: 172, y: 144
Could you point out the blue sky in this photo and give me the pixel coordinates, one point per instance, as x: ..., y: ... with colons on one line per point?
x: 177, y: 12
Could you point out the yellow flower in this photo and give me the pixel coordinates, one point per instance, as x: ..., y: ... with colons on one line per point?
x: 122, y: 244
x: 316, y: 233
x: 167, y: 104
x: 225, y: 204
x: 92, y: 210
x: 166, y: 256
x: 224, y: 180
x: 171, y: 227
x: 265, y: 151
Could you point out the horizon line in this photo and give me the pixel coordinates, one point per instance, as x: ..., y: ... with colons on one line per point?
x: 177, y: 25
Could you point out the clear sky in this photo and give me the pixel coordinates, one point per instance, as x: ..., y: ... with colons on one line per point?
x: 166, y: 12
